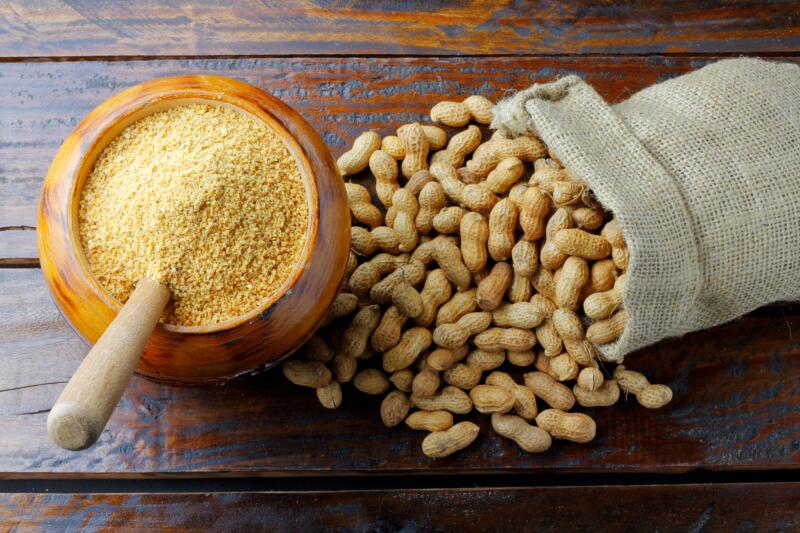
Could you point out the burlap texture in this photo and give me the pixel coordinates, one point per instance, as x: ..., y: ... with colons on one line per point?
x: 703, y: 173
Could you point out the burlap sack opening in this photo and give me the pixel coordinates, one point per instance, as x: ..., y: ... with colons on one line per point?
x: 703, y: 173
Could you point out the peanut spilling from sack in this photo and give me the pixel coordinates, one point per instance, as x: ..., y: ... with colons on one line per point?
x: 490, y: 257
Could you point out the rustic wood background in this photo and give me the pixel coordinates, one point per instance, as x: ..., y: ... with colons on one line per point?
x: 724, y: 455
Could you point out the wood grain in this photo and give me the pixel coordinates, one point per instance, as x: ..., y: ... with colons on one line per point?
x: 737, y: 405
x: 40, y: 103
x: 54, y: 28
x: 720, y: 507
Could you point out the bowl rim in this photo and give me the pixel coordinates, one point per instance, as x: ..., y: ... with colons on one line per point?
x: 250, y: 343
x: 169, y: 99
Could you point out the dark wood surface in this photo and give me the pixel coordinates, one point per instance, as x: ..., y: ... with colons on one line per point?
x: 737, y: 405
x: 394, y: 27
x: 724, y: 507
x: 40, y: 103
x: 737, y: 387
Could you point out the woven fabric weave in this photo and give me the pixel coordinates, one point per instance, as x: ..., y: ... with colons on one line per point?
x: 703, y: 173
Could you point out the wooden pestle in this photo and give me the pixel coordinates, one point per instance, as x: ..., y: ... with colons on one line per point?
x: 79, y: 415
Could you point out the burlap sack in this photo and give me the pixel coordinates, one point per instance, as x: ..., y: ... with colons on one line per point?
x: 703, y: 173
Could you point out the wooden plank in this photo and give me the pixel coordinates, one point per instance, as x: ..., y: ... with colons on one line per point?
x: 40, y: 103
x: 715, y: 507
x: 193, y: 28
x: 737, y: 405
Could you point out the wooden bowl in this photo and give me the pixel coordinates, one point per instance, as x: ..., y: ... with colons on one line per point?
x: 245, y: 344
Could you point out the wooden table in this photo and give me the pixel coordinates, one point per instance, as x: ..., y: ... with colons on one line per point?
x: 260, y: 454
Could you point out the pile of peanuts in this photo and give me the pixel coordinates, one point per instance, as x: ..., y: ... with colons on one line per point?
x: 473, y: 264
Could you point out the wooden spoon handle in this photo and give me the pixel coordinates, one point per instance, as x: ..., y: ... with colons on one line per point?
x: 81, y: 412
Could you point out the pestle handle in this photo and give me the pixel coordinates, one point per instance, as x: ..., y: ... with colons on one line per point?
x: 81, y: 412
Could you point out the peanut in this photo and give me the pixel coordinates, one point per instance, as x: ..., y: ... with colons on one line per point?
x: 590, y: 378
x: 602, y: 276
x: 448, y: 220
x: 534, y: 208
x: 402, y: 379
x: 437, y: 291
x: 502, y: 223
x: 521, y: 358
x: 523, y: 315
x: 485, y: 361
x: 546, y: 172
x: 570, y: 329
x: 530, y: 438
x: 648, y: 395
x: 491, y: 399
x: 406, y: 209
x: 555, y: 394
x: 601, y: 304
x: 448, y: 256
x: 426, y: 382
x: 490, y: 153
x: 417, y: 182
x: 480, y: 108
x: 417, y: 146
x: 463, y: 376
x: 430, y: 420
x: 474, y: 235
x: 478, y: 198
x: 492, y: 288
x: 394, y: 408
x: 517, y: 193
x: 431, y: 201
x: 551, y: 255
x: 520, y: 289
x: 462, y: 144
x: 612, y: 233
x: 567, y: 193
x: 365, y: 243
x: 468, y: 176
x: 576, y: 427
x: 357, y: 158
x: 571, y: 279
x: 548, y: 337
x: 361, y: 206
x: 412, y: 343
x: 448, y: 177
x: 454, y: 114
x: 312, y: 374
x: 330, y: 396
x: 371, y: 381
x: 505, y: 175
x: 443, y: 443
x: 524, y: 398
x: 355, y: 337
x: 449, y: 398
x: 544, y: 283
x: 368, y: 274
x: 495, y: 339
x: 344, y: 304
x: 384, y: 168
x: 588, y: 218
x: 452, y: 336
x: 459, y: 305
x: 317, y: 349
x: 524, y: 258
x: 392, y: 145
x: 344, y: 368
x: 387, y: 334
x: 563, y: 367
x: 441, y: 359
x: 603, y: 396
x: 580, y: 243
x: 607, y: 330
